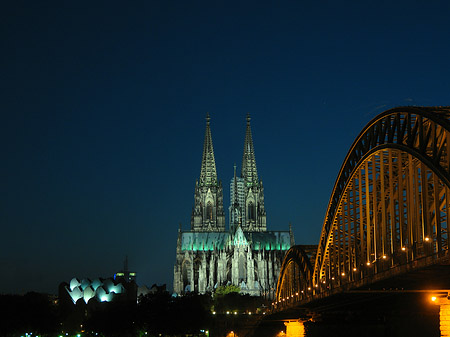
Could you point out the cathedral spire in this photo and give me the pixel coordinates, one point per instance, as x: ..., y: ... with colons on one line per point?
x: 207, y: 213
x: 249, y: 172
x: 208, y: 173
x: 236, y: 197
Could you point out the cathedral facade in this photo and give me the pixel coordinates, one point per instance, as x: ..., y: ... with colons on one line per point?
x: 246, y: 254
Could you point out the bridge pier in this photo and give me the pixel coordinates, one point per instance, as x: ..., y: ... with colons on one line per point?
x: 444, y: 314
x: 295, y: 328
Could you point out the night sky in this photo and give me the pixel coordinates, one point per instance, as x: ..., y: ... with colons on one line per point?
x: 103, y: 109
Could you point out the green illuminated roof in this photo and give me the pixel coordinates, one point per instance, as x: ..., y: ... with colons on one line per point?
x: 269, y: 240
x: 204, y: 241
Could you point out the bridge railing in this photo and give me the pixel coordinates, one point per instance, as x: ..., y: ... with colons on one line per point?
x: 299, y: 299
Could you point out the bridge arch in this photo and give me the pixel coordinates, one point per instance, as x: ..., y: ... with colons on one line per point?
x: 295, y: 275
x: 390, y: 203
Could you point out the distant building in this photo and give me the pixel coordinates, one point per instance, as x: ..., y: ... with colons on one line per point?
x: 125, y: 275
x: 154, y: 289
x: 246, y: 255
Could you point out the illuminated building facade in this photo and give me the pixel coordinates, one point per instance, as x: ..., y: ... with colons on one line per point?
x: 122, y: 286
x: 246, y: 255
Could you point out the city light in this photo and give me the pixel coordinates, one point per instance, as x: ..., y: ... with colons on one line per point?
x: 433, y: 298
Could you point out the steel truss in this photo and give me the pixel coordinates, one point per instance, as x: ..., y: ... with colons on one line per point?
x: 295, y: 273
x: 390, y: 203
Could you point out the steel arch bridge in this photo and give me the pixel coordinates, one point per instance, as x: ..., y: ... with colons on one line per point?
x: 389, y: 207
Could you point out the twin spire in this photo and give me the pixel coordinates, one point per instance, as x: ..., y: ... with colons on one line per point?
x: 248, y: 193
x: 208, y: 172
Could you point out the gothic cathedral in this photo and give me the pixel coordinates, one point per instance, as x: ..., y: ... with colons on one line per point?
x: 247, y: 254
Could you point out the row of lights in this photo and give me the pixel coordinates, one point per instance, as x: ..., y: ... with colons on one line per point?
x: 342, y: 274
x: 228, y: 312
x: 368, y: 263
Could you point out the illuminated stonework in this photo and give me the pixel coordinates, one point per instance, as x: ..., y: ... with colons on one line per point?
x: 444, y: 313
x: 295, y: 329
x: 247, y: 255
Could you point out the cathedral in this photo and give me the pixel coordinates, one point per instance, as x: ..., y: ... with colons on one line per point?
x: 246, y: 254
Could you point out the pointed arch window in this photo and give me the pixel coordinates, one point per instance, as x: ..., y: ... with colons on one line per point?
x: 251, y: 211
x: 209, y: 211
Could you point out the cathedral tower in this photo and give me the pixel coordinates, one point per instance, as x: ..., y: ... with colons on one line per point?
x: 252, y: 210
x: 247, y: 256
x: 208, y: 213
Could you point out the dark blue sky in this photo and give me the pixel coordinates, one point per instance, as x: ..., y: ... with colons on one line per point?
x: 103, y: 110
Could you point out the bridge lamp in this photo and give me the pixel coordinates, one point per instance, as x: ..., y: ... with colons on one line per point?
x: 384, y: 257
x: 427, y: 239
x: 403, y: 248
x: 296, y: 294
x: 354, y: 269
x: 332, y: 278
x: 309, y: 288
x: 368, y: 263
x: 343, y: 274
x: 433, y: 298
x: 302, y: 291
